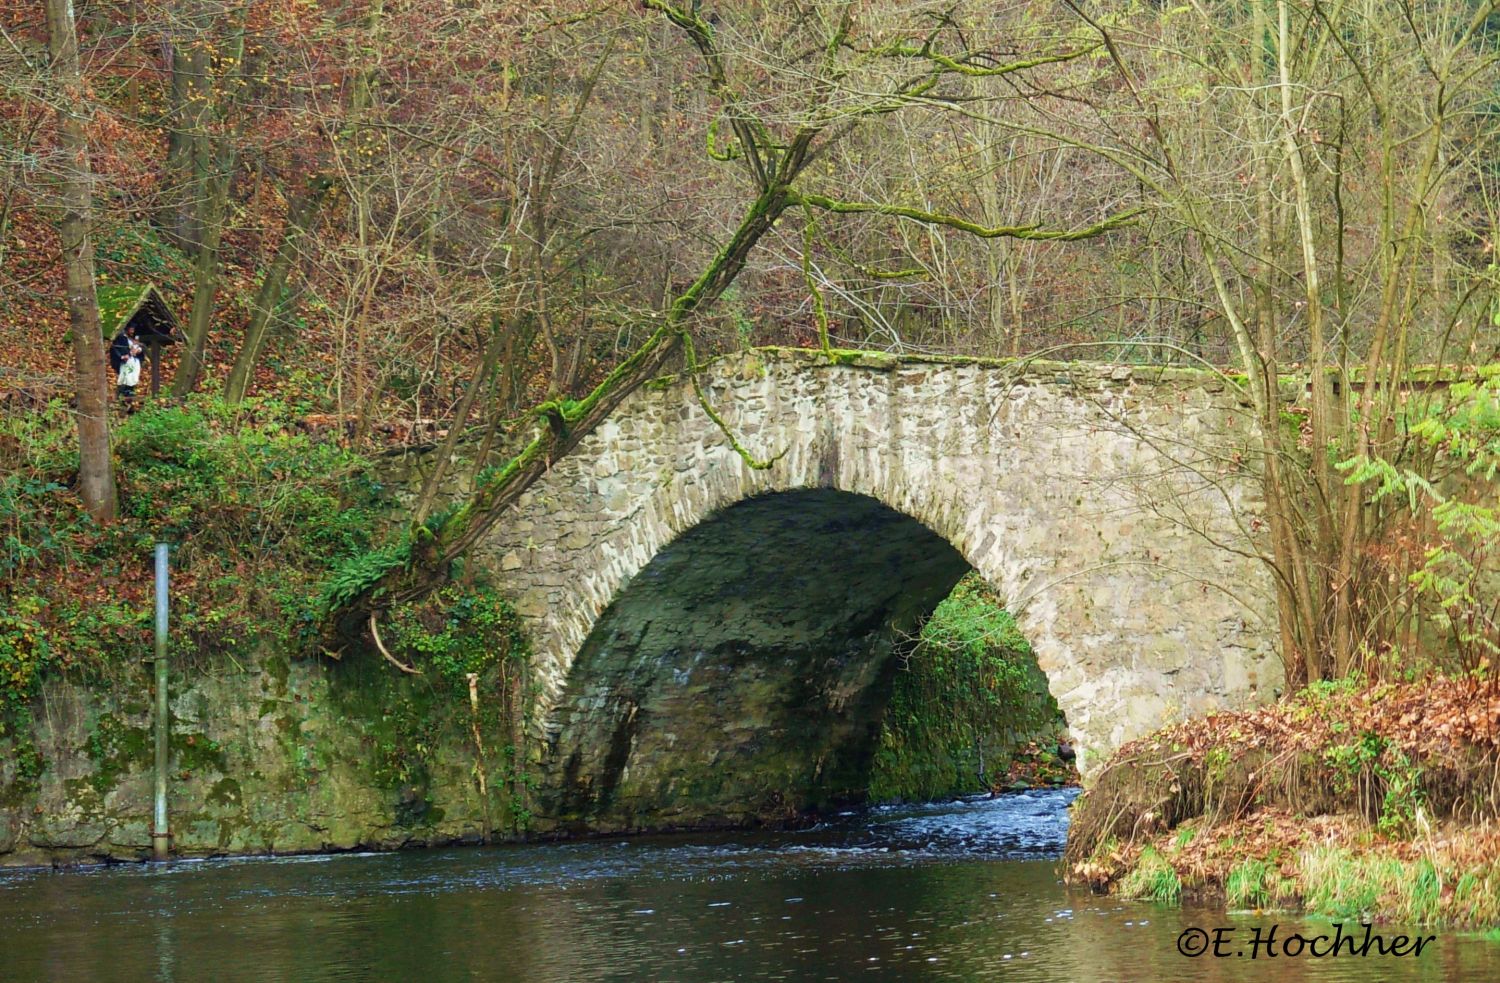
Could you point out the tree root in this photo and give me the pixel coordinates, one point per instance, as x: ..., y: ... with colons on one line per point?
x: 375, y: 633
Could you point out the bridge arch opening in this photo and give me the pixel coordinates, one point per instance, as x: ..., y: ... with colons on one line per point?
x: 743, y: 674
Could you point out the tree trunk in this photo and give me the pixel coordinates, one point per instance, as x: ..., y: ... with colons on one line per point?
x: 299, y: 217
x: 96, y: 475
x: 214, y: 157
x: 215, y: 192
x: 500, y: 333
x: 190, y: 99
x: 176, y: 214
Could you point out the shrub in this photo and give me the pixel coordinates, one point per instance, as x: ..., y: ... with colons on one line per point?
x: 256, y: 511
x: 456, y: 631
x: 1460, y: 574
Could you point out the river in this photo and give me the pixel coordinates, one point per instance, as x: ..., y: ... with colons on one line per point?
x: 952, y: 891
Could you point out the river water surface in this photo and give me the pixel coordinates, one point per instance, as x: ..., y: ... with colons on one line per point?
x: 953, y: 891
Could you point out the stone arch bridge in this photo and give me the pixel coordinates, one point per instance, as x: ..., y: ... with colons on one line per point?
x: 714, y: 643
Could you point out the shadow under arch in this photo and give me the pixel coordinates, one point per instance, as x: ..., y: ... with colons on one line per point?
x: 742, y: 674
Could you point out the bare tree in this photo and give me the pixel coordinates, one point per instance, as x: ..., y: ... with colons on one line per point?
x: 96, y: 476
x: 1318, y: 158
x: 786, y: 84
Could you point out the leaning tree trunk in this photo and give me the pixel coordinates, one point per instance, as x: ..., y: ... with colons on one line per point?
x: 300, y: 215
x: 214, y: 163
x: 96, y: 475
x: 484, y: 372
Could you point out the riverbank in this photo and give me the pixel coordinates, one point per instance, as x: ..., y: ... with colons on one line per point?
x: 1346, y: 800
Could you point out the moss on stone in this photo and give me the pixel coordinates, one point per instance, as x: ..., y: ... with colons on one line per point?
x: 883, y: 361
x: 197, y: 753
x: 278, y: 668
x: 116, y: 748
x: 966, y: 699
x: 225, y: 792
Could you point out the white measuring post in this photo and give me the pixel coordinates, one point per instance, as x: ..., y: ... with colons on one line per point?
x: 161, y: 837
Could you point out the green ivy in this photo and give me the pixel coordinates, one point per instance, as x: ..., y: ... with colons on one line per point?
x: 456, y: 631
x: 26, y: 652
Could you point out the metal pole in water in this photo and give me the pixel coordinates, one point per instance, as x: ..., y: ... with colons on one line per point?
x: 161, y: 839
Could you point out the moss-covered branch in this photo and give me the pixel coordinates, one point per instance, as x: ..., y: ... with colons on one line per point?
x: 751, y: 134
x: 1034, y: 231
x: 775, y: 163
x: 400, y: 575
x: 730, y: 152
x: 755, y: 463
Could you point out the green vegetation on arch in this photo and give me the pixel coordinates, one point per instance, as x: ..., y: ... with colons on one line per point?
x: 968, y: 697
x: 457, y: 631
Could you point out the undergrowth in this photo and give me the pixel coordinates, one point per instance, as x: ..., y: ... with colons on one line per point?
x: 1351, y: 800
x: 256, y: 511
x: 1152, y: 879
x: 467, y: 642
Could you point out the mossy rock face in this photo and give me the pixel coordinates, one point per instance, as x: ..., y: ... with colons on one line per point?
x: 225, y: 792
x: 965, y: 700
x: 278, y: 755
x: 116, y: 748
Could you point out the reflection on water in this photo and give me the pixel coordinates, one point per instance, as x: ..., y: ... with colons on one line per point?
x: 957, y: 891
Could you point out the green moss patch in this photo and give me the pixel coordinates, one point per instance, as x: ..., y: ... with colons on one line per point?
x: 967, y: 705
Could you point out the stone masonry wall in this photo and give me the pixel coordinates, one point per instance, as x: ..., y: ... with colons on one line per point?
x: 269, y: 755
x: 1091, y: 497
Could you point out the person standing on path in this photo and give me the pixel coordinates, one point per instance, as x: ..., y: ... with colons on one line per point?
x: 129, y: 373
